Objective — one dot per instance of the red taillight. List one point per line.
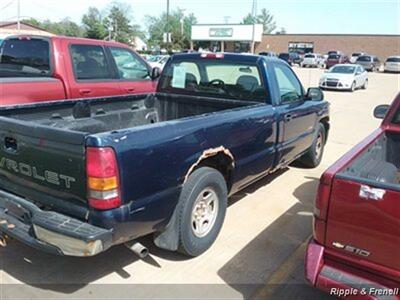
(322, 200)
(212, 55)
(321, 209)
(102, 178)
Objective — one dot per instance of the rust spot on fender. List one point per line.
(209, 153)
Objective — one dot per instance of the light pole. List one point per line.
(167, 26)
(254, 15)
(18, 15)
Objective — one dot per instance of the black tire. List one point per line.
(200, 180)
(312, 158)
(365, 85)
(353, 87)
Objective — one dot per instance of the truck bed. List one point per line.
(379, 163)
(115, 113)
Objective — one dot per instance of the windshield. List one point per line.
(309, 56)
(393, 59)
(333, 56)
(356, 54)
(364, 58)
(25, 57)
(154, 58)
(343, 69)
(214, 78)
(284, 55)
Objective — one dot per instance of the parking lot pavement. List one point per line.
(259, 253)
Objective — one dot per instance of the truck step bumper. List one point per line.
(50, 231)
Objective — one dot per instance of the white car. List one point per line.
(392, 64)
(158, 61)
(344, 77)
(313, 60)
(354, 56)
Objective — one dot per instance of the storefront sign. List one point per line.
(221, 32)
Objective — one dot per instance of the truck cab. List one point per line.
(36, 69)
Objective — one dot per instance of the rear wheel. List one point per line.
(312, 158)
(202, 208)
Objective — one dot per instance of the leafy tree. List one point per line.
(249, 19)
(93, 23)
(265, 18)
(118, 20)
(179, 25)
(32, 21)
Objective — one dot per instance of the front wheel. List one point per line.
(202, 207)
(312, 158)
(353, 87)
(365, 85)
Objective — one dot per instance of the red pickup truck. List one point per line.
(35, 68)
(355, 250)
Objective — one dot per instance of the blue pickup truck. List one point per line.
(77, 177)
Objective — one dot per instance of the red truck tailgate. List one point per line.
(364, 223)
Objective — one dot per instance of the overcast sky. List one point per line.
(296, 16)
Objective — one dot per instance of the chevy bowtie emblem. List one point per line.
(338, 245)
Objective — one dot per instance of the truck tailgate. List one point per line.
(364, 222)
(43, 164)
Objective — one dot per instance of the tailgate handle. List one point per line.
(10, 144)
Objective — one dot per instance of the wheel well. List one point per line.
(220, 159)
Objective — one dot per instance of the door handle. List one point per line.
(130, 90)
(84, 92)
(288, 117)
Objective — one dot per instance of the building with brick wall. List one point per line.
(379, 45)
(239, 38)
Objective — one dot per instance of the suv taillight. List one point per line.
(102, 178)
(321, 209)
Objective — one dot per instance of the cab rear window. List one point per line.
(214, 78)
(25, 57)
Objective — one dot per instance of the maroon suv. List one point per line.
(334, 59)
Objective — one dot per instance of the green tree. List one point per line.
(32, 21)
(265, 18)
(93, 24)
(118, 20)
(179, 25)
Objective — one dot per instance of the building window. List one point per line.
(301, 47)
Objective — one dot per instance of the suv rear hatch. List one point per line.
(44, 165)
(363, 220)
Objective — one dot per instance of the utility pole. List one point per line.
(254, 15)
(18, 15)
(167, 26)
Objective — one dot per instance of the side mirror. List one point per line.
(380, 111)
(315, 94)
(155, 73)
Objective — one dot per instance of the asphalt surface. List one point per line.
(259, 252)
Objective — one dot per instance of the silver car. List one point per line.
(392, 64)
(313, 60)
(369, 62)
(344, 77)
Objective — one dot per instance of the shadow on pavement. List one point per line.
(271, 265)
(251, 268)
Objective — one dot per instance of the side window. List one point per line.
(90, 62)
(289, 86)
(130, 67)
